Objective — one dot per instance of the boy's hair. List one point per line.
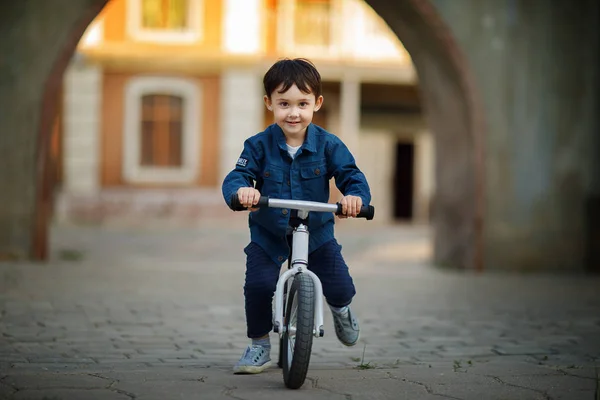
(298, 71)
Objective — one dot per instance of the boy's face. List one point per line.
(293, 110)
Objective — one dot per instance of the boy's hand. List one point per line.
(248, 197)
(350, 206)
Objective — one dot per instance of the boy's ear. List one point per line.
(268, 103)
(318, 103)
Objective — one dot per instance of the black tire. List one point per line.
(300, 311)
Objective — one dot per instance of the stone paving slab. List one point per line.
(158, 314)
(411, 382)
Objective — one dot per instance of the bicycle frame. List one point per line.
(299, 262)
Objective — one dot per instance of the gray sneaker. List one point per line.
(255, 360)
(346, 327)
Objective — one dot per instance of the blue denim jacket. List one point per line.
(266, 165)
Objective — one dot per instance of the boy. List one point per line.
(293, 159)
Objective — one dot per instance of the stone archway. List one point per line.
(51, 89)
(454, 115)
(38, 39)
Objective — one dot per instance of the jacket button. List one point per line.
(317, 171)
(267, 174)
(284, 212)
(288, 182)
(280, 258)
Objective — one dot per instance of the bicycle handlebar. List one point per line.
(367, 212)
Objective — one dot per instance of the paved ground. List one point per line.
(157, 314)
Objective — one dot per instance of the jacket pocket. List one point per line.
(272, 178)
(314, 182)
(314, 171)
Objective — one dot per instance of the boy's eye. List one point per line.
(303, 104)
(283, 104)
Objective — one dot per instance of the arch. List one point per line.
(454, 113)
(39, 240)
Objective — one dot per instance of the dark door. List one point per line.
(403, 181)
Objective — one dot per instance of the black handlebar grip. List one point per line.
(237, 206)
(263, 202)
(367, 212)
(235, 203)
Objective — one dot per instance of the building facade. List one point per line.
(161, 94)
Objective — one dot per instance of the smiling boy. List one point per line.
(293, 159)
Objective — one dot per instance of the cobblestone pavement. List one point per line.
(157, 313)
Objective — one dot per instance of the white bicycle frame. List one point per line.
(299, 262)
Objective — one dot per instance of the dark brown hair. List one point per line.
(288, 72)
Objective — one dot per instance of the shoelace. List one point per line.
(254, 353)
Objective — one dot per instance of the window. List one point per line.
(312, 29)
(312, 25)
(161, 130)
(174, 21)
(164, 14)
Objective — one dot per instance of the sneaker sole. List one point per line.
(350, 344)
(250, 369)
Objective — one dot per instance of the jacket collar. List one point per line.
(309, 141)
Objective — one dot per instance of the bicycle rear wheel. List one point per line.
(298, 335)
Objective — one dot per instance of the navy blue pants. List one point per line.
(262, 275)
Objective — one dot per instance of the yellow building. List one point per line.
(161, 94)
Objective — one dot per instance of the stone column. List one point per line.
(348, 127)
(82, 113)
(424, 175)
(350, 113)
(241, 116)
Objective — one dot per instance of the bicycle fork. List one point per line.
(299, 265)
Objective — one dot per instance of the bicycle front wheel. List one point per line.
(298, 335)
(282, 347)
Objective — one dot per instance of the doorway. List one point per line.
(404, 181)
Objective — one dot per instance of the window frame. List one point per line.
(287, 31)
(149, 118)
(191, 93)
(194, 33)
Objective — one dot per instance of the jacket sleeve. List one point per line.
(349, 179)
(247, 168)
